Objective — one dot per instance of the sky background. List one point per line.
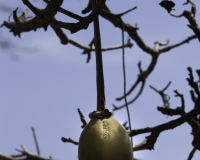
(42, 82)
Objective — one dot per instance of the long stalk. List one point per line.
(99, 64)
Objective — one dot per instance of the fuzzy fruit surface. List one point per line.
(104, 139)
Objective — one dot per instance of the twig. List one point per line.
(158, 44)
(182, 99)
(69, 140)
(168, 48)
(64, 11)
(192, 83)
(88, 48)
(125, 125)
(141, 79)
(35, 139)
(142, 76)
(24, 148)
(87, 51)
(121, 14)
(164, 97)
(165, 109)
(82, 118)
(25, 155)
(131, 101)
(178, 110)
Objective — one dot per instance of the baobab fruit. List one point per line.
(104, 139)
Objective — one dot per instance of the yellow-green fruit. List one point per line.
(104, 139)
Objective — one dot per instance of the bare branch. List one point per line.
(141, 79)
(177, 16)
(182, 99)
(130, 29)
(69, 140)
(82, 118)
(165, 98)
(168, 48)
(155, 131)
(35, 139)
(125, 125)
(34, 23)
(73, 27)
(177, 111)
(192, 83)
(193, 8)
(190, 16)
(87, 48)
(25, 155)
(121, 14)
(87, 51)
(131, 101)
(158, 44)
(140, 67)
(62, 10)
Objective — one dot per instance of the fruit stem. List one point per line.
(99, 64)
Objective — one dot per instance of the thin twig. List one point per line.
(35, 139)
(133, 100)
(88, 52)
(125, 125)
(141, 79)
(182, 98)
(192, 83)
(64, 11)
(121, 14)
(69, 140)
(165, 98)
(88, 48)
(82, 118)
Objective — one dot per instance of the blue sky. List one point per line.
(42, 82)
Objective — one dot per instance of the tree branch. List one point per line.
(165, 98)
(73, 27)
(82, 118)
(35, 139)
(155, 131)
(190, 16)
(141, 79)
(69, 140)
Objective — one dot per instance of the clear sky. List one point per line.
(42, 83)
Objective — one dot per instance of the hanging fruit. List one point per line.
(104, 138)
